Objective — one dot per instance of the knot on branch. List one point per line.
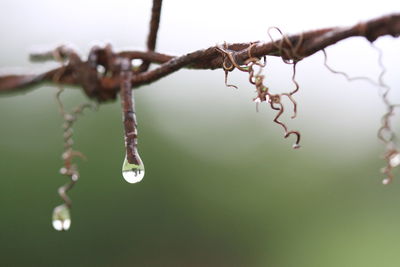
(98, 75)
(99, 72)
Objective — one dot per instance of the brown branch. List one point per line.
(18, 83)
(128, 113)
(312, 42)
(154, 24)
(107, 86)
(152, 37)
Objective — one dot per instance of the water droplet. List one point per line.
(394, 160)
(257, 100)
(133, 173)
(61, 218)
(63, 170)
(74, 177)
(295, 146)
(386, 181)
(69, 117)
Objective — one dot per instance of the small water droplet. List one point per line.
(257, 100)
(133, 173)
(394, 160)
(295, 146)
(74, 177)
(61, 218)
(63, 170)
(69, 117)
(386, 181)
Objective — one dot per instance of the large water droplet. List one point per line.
(133, 173)
(394, 160)
(61, 218)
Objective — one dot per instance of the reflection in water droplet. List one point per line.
(133, 173)
(394, 160)
(61, 218)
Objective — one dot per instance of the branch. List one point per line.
(105, 87)
(152, 38)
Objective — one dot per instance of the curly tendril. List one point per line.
(257, 79)
(385, 133)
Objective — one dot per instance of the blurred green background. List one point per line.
(222, 186)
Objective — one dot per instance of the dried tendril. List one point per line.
(61, 213)
(257, 79)
(385, 133)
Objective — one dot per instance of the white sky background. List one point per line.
(340, 109)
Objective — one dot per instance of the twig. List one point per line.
(128, 112)
(152, 37)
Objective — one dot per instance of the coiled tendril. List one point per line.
(61, 214)
(257, 79)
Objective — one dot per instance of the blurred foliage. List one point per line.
(267, 206)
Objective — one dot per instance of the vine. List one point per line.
(105, 74)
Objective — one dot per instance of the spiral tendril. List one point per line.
(69, 169)
(257, 78)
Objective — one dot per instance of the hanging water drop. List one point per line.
(133, 173)
(61, 218)
(386, 181)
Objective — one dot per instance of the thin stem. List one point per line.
(152, 37)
